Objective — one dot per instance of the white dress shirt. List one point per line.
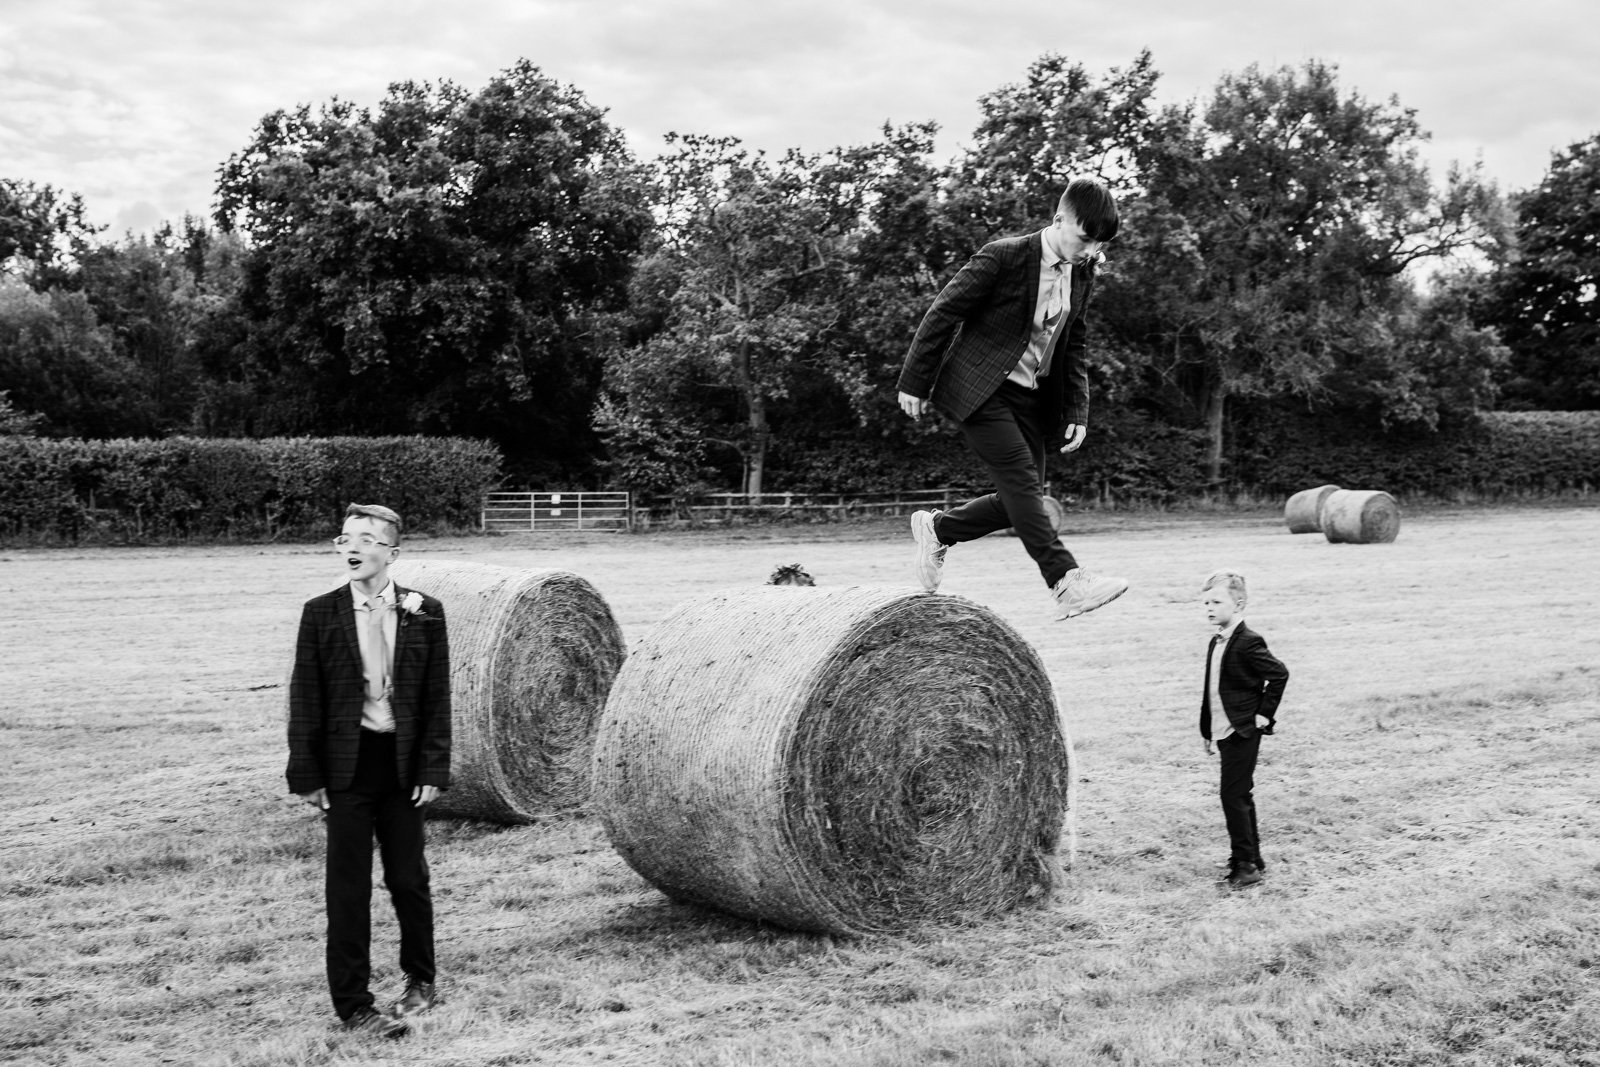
(1220, 725)
(1042, 335)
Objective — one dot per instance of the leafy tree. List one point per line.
(43, 232)
(57, 361)
(151, 295)
(1271, 247)
(1036, 135)
(15, 422)
(744, 285)
(1544, 297)
(435, 265)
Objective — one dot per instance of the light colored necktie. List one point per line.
(1057, 299)
(376, 665)
(1055, 302)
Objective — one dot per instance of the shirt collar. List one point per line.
(1227, 631)
(1047, 254)
(386, 594)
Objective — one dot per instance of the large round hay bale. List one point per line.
(533, 654)
(1303, 512)
(843, 760)
(1360, 517)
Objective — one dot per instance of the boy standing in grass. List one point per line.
(369, 744)
(1238, 704)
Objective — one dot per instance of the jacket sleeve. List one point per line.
(434, 764)
(307, 714)
(962, 295)
(1274, 679)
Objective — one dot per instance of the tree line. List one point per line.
(497, 264)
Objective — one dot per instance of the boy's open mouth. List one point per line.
(354, 561)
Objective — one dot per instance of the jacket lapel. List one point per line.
(402, 634)
(1028, 278)
(347, 622)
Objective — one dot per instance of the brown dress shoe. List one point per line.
(372, 1022)
(418, 998)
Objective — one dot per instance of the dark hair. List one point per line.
(1092, 204)
(379, 512)
(790, 574)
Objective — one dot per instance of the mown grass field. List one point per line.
(1430, 810)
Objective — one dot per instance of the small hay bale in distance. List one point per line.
(533, 654)
(1360, 517)
(847, 761)
(1303, 512)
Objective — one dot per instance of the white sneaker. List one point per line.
(1079, 591)
(929, 565)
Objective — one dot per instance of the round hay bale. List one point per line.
(1303, 512)
(533, 654)
(1360, 517)
(845, 760)
(1055, 509)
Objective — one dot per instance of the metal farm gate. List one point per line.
(553, 512)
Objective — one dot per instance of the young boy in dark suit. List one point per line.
(369, 744)
(1238, 704)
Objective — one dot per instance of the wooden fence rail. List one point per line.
(723, 507)
(554, 512)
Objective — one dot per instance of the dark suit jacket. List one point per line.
(327, 687)
(1252, 684)
(978, 328)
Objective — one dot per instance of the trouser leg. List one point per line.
(1005, 434)
(348, 897)
(405, 874)
(1237, 757)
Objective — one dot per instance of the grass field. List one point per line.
(1430, 811)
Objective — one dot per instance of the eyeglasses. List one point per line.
(365, 541)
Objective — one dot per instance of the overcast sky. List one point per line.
(135, 103)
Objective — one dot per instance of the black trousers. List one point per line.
(375, 806)
(1237, 756)
(1007, 433)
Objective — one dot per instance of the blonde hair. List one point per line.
(1232, 581)
(377, 511)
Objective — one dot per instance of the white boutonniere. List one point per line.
(411, 606)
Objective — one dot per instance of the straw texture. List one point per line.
(533, 654)
(1303, 512)
(845, 760)
(1360, 517)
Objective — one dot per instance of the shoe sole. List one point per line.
(1096, 607)
(936, 570)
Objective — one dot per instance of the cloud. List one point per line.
(136, 104)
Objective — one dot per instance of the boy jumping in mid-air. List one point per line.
(1001, 351)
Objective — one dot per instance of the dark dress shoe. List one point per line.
(370, 1021)
(1244, 874)
(418, 998)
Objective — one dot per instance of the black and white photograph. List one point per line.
(871, 534)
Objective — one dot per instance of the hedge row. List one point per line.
(181, 488)
(1132, 457)
(1499, 454)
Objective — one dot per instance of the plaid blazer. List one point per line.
(1251, 684)
(327, 688)
(978, 328)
